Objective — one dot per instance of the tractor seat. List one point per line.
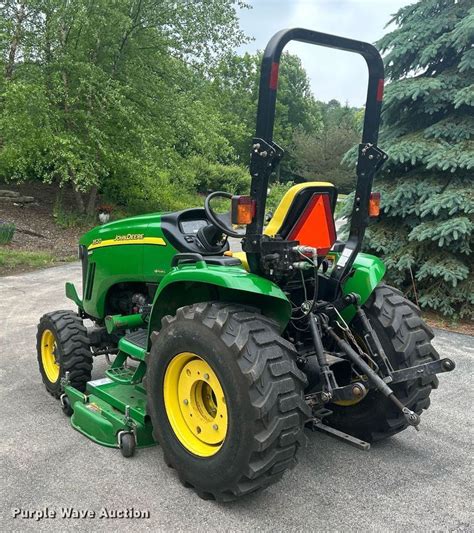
(305, 214)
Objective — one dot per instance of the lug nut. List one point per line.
(215, 426)
(186, 402)
(206, 376)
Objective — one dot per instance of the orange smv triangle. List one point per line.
(315, 226)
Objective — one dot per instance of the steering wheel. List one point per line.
(221, 221)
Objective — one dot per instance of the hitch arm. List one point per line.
(375, 347)
(427, 369)
(410, 416)
(329, 382)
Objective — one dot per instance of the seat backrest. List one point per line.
(306, 214)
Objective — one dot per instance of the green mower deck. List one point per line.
(100, 413)
(116, 403)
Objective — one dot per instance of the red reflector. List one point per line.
(380, 91)
(273, 83)
(374, 204)
(243, 209)
(315, 226)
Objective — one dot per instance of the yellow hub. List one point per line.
(195, 404)
(48, 356)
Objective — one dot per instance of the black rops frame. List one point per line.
(266, 154)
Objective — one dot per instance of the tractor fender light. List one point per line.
(243, 210)
(374, 204)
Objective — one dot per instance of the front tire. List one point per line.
(406, 340)
(63, 346)
(238, 377)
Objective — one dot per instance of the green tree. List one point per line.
(426, 227)
(318, 155)
(236, 81)
(102, 93)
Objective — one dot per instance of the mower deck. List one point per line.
(101, 414)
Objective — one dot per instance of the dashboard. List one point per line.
(191, 227)
(180, 229)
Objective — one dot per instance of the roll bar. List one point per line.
(269, 78)
(266, 154)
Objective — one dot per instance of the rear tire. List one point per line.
(406, 340)
(63, 336)
(264, 406)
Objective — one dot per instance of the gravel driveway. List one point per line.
(414, 481)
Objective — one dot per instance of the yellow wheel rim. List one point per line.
(48, 356)
(195, 404)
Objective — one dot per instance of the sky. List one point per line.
(333, 74)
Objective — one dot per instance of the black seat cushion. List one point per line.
(222, 260)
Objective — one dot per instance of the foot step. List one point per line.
(121, 374)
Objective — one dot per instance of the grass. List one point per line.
(70, 219)
(15, 259)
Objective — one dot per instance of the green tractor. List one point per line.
(224, 358)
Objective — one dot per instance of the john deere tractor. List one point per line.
(223, 358)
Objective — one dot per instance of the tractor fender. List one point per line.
(368, 271)
(189, 284)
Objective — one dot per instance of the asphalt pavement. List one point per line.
(411, 482)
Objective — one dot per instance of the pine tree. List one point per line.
(425, 231)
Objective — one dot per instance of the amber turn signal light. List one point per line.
(374, 204)
(243, 210)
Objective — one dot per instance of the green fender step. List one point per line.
(132, 345)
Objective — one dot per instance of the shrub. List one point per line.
(149, 192)
(175, 188)
(217, 177)
(6, 232)
(67, 218)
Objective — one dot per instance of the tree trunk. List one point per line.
(92, 200)
(79, 200)
(20, 16)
